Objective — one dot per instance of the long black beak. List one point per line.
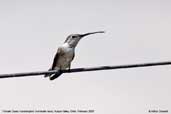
(82, 35)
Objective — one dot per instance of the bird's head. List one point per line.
(73, 39)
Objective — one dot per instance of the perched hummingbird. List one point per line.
(65, 54)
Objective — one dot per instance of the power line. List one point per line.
(85, 69)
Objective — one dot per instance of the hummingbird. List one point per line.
(66, 53)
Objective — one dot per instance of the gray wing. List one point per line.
(56, 58)
(55, 61)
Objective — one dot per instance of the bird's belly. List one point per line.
(65, 60)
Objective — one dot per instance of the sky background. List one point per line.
(137, 31)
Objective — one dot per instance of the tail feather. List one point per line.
(56, 75)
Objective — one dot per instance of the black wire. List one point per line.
(85, 69)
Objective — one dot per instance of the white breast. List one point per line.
(69, 52)
(66, 59)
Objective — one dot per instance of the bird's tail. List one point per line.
(56, 75)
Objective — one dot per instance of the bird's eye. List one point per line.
(73, 36)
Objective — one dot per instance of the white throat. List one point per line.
(66, 45)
